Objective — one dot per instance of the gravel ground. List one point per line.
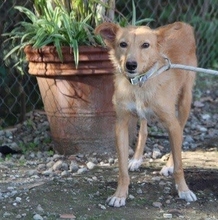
(40, 184)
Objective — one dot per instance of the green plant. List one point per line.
(8, 157)
(50, 153)
(26, 147)
(57, 23)
(61, 23)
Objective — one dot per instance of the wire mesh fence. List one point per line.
(19, 93)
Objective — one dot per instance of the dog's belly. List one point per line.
(140, 109)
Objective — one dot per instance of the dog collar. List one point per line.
(139, 80)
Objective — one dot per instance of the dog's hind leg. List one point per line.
(184, 106)
(175, 132)
(136, 161)
(184, 103)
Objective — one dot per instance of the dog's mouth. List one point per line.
(131, 74)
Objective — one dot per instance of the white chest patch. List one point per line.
(139, 109)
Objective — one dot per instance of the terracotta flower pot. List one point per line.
(77, 101)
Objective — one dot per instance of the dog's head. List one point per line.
(133, 49)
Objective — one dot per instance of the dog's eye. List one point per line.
(123, 44)
(145, 45)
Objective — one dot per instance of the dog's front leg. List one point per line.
(122, 139)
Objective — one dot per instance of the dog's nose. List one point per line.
(131, 65)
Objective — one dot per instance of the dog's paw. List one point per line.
(114, 201)
(189, 196)
(134, 164)
(167, 171)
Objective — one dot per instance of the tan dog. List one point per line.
(138, 52)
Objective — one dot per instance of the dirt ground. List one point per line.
(151, 195)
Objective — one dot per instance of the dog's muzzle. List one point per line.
(153, 71)
(140, 79)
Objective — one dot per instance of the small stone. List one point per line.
(14, 146)
(156, 178)
(50, 164)
(111, 161)
(162, 183)
(90, 165)
(198, 104)
(3, 167)
(74, 166)
(166, 190)
(37, 217)
(131, 197)
(36, 140)
(41, 167)
(64, 166)
(93, 160)
(56, 157)
(8, 134)
(31, 172)
(156, 153)
(206, 117)
(157, 204)
(201, 128)
(10, 188)
(94, 178)
(168, 201)
(189, 139)
(139, 191)
(6, 214)
(65, 173)
(18, 216)
(80, 155)
(102, 206)
(18, 199)
(32, 155)
(39, 155)
(22, 158)
(57, 165)
(47, 172)
(167, 215)
(82, 170)
(40, 209)
(131, 151)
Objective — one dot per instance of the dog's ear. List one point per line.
(168, 33)
(108, 32)
(177, 37)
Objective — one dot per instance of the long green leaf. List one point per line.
(75, 47)
(133, 13)
(27, 12)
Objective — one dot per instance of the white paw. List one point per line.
(116, 202)
(166, 171)
(134, 164)
(189, 196)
